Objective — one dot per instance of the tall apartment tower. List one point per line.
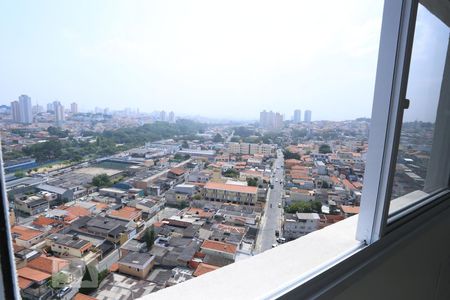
(307, 116)
(263, 119)
(162, 116)
(270, 120)
(171, 117)
(15, 111)
(278, 122)
(50, 107)
(59, 112)
(74, 108)
(297, 116)
(25, 111)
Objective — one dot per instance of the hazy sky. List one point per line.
(221, 59)
(427, 66)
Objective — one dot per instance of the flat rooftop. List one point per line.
(94, 171)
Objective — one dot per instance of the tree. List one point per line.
(252, 181)
(149, 237)
(91, 279)
(59, 279)
(101, 180)
(304, 207)
(55, 131)
(185, 145)
(324, 148)
(218, 138)
(290, 155)
(231, 173)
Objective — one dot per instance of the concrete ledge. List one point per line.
(265, 275)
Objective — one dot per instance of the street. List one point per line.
(271, 221)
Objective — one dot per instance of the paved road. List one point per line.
(271, 221)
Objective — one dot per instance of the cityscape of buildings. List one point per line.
(152, 200)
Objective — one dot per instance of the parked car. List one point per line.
(64, 291)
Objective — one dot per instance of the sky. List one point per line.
(217, 59)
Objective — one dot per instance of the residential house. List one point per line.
(136, 264)
(299, 224)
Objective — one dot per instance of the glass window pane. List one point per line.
(421, 167)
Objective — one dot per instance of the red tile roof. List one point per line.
(231, 187)
(78, 211)
(44, 221)
(350, 209)
(204, 268)
(219, 246)
(25, 233)
(129, 213)
(80, 296)
(177, 171)
(24, 283)
(348, 184)
(32, 274)
(48, 265)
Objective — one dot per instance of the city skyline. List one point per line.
(163, 57)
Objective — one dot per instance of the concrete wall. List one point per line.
(418, 267)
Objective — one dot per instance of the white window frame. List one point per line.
(396, 42)
(397, 32)
(387, 113)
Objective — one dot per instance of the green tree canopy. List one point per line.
(101, 180)
(290, 155)
(149, 237)
(56, 131)
(231, 173)
(218, 138)
(304, 207)
(324, 148)
(252, 181)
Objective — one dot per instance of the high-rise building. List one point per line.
(59, 112)
(74, 108)
(162, 116)
(37, 109)
(270, 120)
(297, 116)
(278, 122)
(171, 117)
(15, 111)
(50, 107)
(307, 116)
(26, 115)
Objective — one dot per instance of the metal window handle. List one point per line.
(406, 103)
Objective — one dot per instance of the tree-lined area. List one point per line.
(109, 141)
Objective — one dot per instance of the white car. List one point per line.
(274, 245)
